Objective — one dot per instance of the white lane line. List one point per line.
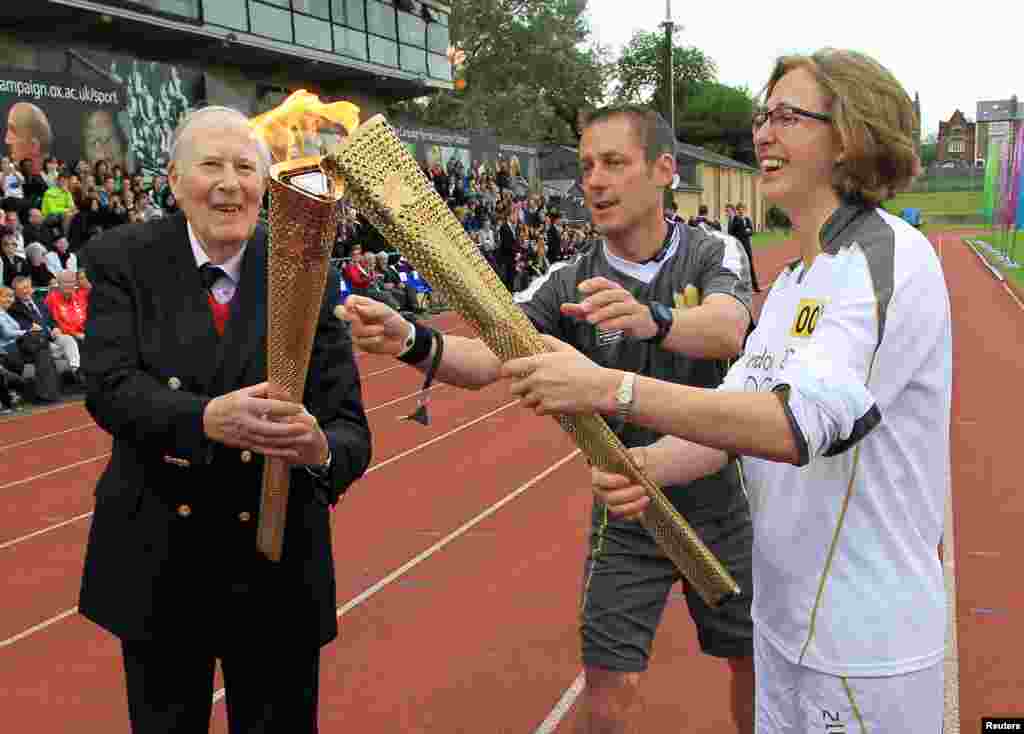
(404, 397)
(8, 543)
(952, 661)
(38, 627)
(461, 530)
(58, 470)
(373, 468)
(562, 707)
(57, 526)
(45, 436)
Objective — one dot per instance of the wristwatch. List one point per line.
(624, 397)
(662, 316)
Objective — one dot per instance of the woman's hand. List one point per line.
(562, 381)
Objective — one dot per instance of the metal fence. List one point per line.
(950, 179)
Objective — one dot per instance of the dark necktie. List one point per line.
(209, 274)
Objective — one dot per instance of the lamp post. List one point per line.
(670, 91)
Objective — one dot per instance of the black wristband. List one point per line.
(420, 347)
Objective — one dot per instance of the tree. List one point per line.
(929, 152)
(529, 70)
(717, 117)
(640, 71)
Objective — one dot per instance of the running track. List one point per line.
(459, 557)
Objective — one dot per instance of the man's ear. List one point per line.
(664, 169)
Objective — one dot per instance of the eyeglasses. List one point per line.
(784, 115)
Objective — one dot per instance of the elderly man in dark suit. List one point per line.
(175, 363)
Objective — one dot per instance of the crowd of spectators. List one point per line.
(520, 234)
(48, 217)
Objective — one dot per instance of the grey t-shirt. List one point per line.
(712, 264)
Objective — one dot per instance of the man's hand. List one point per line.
(310, 446)
(609, 306)
(247, 419)
(35, 327)
(623, 498)
(376, 327)
(562, 381)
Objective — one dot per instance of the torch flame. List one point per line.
(303, 127)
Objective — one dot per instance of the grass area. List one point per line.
(769, 237)
(937, 202)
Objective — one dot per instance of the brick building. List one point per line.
(956, 140)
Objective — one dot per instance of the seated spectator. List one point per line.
(83, 289)
(12, 226)
(28, 310)
(51, 169)
(11, 263)
(12, 180)
(20, 346)
(360, 276)
(66, 307)
(60, 259)
(393, 284)
(38, 272)
(35, 230)
(33, 185)
(59, 203)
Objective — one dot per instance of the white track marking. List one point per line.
(32, 478)
(380, 465)
(38, 627)
(461, 530)
(550, 724)
(45, 436)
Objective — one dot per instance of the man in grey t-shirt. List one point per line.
(660, 299)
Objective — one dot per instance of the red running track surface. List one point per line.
(479, 633)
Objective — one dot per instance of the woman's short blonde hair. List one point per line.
(873, 117)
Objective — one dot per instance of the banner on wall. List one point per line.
(60, 115)
(476, 150)
(116, 108)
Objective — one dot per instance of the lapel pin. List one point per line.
(174, 383)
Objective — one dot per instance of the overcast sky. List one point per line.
(951, 59)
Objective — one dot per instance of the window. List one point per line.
(319, 8)
(956, 146)
(383, 51)
(270, 21)
(380, 19)
(440, 68)
(313, 32)
(413, 59)
(411, 30)
(350, 42)
(183, 8)
(350, 13)
(437, 38)
(230, 13)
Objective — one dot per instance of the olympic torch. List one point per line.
(383, 180)
(303, 225)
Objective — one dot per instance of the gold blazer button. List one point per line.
(174, 383)
(246, 456)
(244, 517)
(184, 510)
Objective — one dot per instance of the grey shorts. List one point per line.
(627, 581)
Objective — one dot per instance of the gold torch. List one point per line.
(385, 183)
(303, 225)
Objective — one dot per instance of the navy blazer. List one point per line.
(172, 548)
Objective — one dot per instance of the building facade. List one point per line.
(112, 77)
(956, 141)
